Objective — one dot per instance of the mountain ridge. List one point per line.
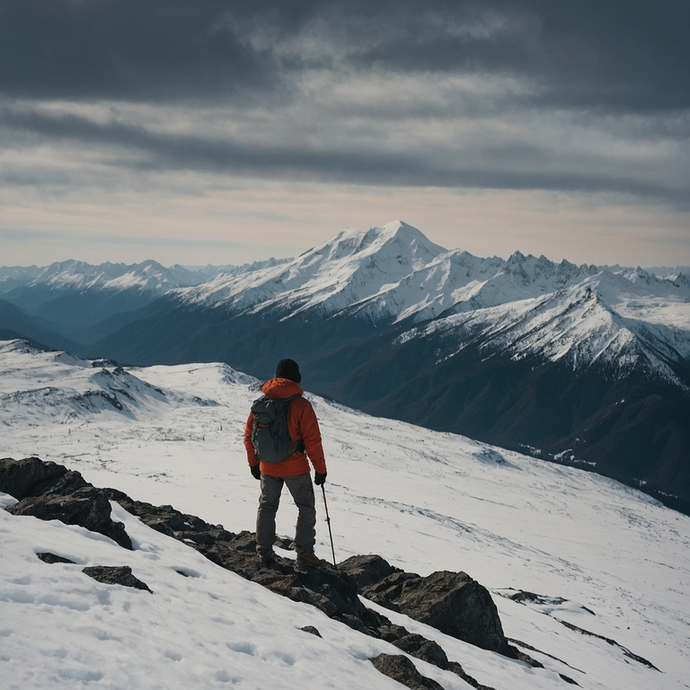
(522, 343)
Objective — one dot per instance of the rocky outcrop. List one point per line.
(115, 575)
(33, 477)
(420, 647)
(400, 668)
(324, 588)
(452, 602)
(52, 492)
(311, 630)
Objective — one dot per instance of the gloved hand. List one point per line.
(319, 478)
(256, 470)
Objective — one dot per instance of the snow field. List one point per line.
(208, 628)
(423, 500)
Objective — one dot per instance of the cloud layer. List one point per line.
(582, 98)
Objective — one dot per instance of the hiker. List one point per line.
(304, 433)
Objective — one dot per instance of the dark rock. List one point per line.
(324, 588)
(400, 668)
(366, 571)
(88, 507)
(522, 596)
(392, 632)
(48, 557)
(332, 592)
(311, 629)
(115, 575)
(457, 605)
(568, 679)
(426, 650)
(453, 603)
(33, 477)
(166, 520)
(421, 648)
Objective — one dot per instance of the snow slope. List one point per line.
(604, 557)
(604, 317)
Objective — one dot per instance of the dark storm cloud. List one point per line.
(126, 49)
(502, 166)
(617, 54)
(625, 55)
(509, 94)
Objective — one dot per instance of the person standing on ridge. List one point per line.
(305, 438)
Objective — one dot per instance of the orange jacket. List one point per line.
(302, 424)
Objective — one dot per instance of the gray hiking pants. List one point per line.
(302, 492)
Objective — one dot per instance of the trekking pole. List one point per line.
(328, 520)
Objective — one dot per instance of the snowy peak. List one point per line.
(333, 275)
(394, 274)
(410, 244)
(397, 238)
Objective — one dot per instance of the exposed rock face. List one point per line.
(400, 668)
(453, 603)
(52, 492)
(33, 477)
(324, 588)
(87, 507)
(115, 575)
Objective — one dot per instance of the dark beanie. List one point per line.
(288, 369)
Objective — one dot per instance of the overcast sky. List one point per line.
(224, 131)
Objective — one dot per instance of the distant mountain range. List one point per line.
(70, 303)
(579, 364)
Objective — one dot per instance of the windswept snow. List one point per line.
(602, 557)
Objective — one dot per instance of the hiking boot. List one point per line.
(309, 559)
(265, 559)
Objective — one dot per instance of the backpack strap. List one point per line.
(298, 445)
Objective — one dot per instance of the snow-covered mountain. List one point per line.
(581, 364)
(84, 302)
(340, 272)
(395, 274)
(604, 316)
(70, 298)
(591, 577)
(79, 275)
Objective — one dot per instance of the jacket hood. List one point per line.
(281, 388)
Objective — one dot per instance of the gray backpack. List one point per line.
(270, 433)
